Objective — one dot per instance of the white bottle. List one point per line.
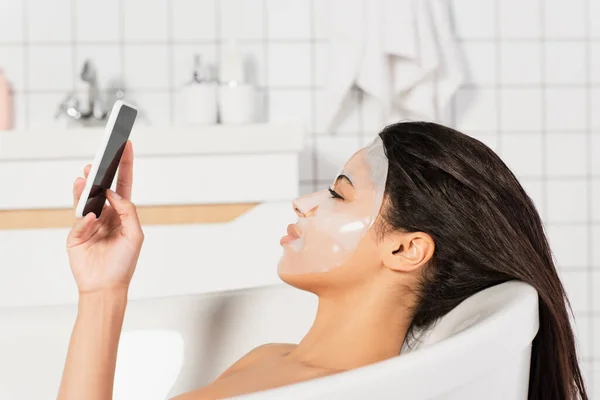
(200, 97)
(236, 97)
(6, 104)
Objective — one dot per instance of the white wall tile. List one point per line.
(476, 110)
(372, 115)
(106, 59)
(596, 333)
(524, 23)
(332, 155)
(242, 19)
(567, 201)
(153, 107)
(288, 19)
(305, 160)
(97, 23)
(491, 140)
(348, 122)
(146, 67)
(594, 10)
(193, 20)
(49, 21)
(41, 109)
(595, 188)
(306, 188)
(581, 329)
(19, 113)
(11, 21)
(594, 388)
(596, 284)
(321, 64)
(145, 20)
(322, 14)
(520, 62)
(565, 62)
(595, 105)
(595, 155)
(50, 67)
(474, 18)
(569, 244)
(522, 153)
(12, 65)
(290, 106)
(521, 109)
(595, 62)
(183, 61)
(563, 19)
(565, 154)
(480, 62)
(576, 285)
(535, 190)
(565, 109)
(289, 64)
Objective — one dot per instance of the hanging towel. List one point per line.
(401, 53)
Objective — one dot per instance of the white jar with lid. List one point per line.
(236, 96)
(200, 97)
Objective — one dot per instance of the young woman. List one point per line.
(453, 220)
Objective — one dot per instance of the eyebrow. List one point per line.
(339, 178)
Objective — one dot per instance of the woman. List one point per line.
(453, 221)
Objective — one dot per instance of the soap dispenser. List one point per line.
(6, 103)
(236, 96)
(200, 96)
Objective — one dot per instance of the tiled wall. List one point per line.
(534, 84)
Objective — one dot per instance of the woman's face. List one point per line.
(334, 225)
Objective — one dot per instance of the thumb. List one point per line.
(126, 211)
(81, 230)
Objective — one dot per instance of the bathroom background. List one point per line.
(530, 92)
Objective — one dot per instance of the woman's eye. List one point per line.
(335, 195)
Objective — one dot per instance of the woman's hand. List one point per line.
(103, 252)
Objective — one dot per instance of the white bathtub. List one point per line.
(175, 344)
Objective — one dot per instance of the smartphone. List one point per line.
(106, 162)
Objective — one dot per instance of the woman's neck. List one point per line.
(353, 329)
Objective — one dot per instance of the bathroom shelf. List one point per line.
(82, 143)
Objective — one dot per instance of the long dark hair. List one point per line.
(486, 231)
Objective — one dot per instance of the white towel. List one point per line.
(402, 53)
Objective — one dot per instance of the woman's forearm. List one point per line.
(90, 365)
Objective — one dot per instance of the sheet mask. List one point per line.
(331, 229)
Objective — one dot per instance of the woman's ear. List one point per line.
(406, 252)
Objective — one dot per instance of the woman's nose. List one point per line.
(307, 206)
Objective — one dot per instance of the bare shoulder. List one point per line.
(271, 349)
(252, 357)
(257, 354)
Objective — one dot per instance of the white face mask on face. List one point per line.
(330, 229)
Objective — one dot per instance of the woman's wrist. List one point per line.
(105, 301)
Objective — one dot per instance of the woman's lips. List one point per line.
(293, 233)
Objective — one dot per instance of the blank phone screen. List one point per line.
(110, 160)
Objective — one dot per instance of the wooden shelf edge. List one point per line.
(149, 215)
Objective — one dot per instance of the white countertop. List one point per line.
(166, 141)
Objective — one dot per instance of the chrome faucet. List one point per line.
(92, 108)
